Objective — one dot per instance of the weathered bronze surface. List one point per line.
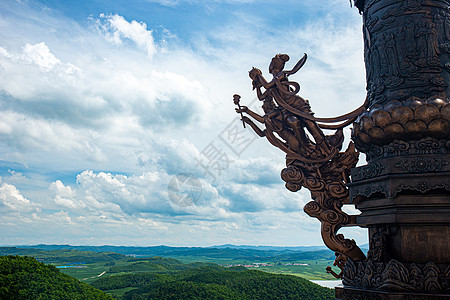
(406, 49)
(403, 128)
(366, 294)
(404, 190)
(313, 159)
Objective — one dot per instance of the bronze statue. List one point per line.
(403, 128)
(314, 163)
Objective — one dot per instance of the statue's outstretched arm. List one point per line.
(264, 83)
(256, 129)
(251, 113)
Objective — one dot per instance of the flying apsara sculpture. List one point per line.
(313, 159)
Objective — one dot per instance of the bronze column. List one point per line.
(404, 190)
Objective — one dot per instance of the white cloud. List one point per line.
(5, 53)
(134, 194)
(117, 28)
(11, 199)
(61, 217)
(40, 55)
(63, 195)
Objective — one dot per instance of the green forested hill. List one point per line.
(213, 283)
(23, 277)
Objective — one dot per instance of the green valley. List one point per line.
(190, 273)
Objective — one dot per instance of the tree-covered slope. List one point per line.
(252, 284)
(214, 283)
(130, 280)
(153, 264)
(23, 277)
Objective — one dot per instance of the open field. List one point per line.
(314, 271)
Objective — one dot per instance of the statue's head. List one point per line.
(277, 63)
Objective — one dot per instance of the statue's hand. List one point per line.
(246, 120)
(242, 109)
(254, 72)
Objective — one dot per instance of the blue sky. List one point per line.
(117, 124)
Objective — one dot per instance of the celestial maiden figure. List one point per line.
(295, 109)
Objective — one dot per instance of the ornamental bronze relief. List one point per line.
(412, 119)
(406, 49)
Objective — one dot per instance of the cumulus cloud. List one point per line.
(63, 195)
(118, 194)
(40, 55)
(133, 194)
(61, 217)
(117, 28)
(12, 199)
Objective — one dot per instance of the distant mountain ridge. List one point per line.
(106, 253)
(253, 253)
(276, 248)
(163, 248)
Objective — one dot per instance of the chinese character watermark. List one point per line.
(213, 160)
(184, 190)
(231, 142)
